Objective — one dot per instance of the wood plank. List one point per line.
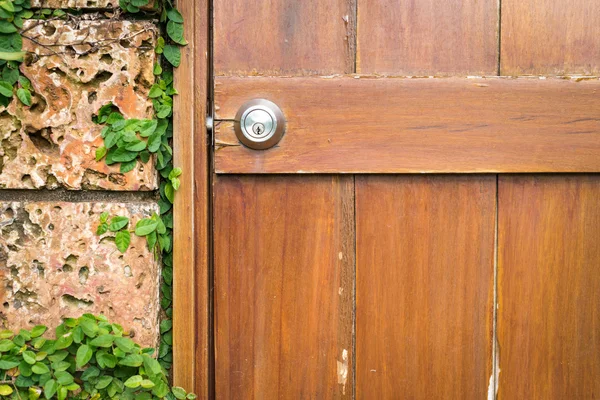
(284, 37)
(424, 300)
(190, 214)
(550, 37)
(284, 272)
(428, 37)
(549, 287)
(394, 125)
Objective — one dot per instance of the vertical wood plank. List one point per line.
(549, 287)
(425, 262)
(284, 271)
(284, 37)
(550, 37)
(427, 37)
(191, 240)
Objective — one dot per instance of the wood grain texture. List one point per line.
(284, 37)
(424, 291)
(190, 239)
(549, 287)
(284, 271)
(393, 125)
(427, 37)
(550, 37)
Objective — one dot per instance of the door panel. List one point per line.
(284, 277)
(284, 37)
(550, 37)
(425, 286)
(549, 287)
(391, 125)
(427, 37)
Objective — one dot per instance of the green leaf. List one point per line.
(100, 153)
(174, 15)
(29, 357)
(145, 226)
(117, 223)
(154, 142)
(165, 326)
(6, 345)
(40, 368)
(122, 240)
(147, 127)
(151, 240)
(155, 92)
(24, 95)
(103, 218)
(125, 344)
(103, 382)
(6, 89)
(102, 229)
(50, 388)
(64, 378)
(172, 54)
(89, 326)
(6, 364)
(38, 331)
(127, 166)
(136, 145)
(7, 5)
(170, 192)
(179, 392)
(157, 69)
(132, 360)
(83, 356)
(7, 27)
(103, 340)
(64, 341)
(175, 32)
(175, 172)
(134, 381)
(5, 390)
(122, 155)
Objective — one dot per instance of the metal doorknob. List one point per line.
(259, 124)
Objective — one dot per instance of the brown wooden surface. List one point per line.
(393, 125)
(284, 37)
(191, 329)
(424, 291)
(550, 37)
(427, 37)
(549, 286)
(284, 272)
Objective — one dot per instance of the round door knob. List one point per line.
(259, 124)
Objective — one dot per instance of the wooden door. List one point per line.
(429, 225)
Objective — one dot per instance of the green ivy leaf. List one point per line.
(173, 55)
(38, 331)
(102, 229)
(127, 166)
(6, 89)
(155, 92)
(179, 392)
(5, 390)
(83, 356)
(40, 368)
(7, 27)
(134, 381)
(50, 388)
(174, 15)
(170, 192)
(132, 360)
(175, 32)
(122, 240)
(117, 223)
(100, 153)
(24, 95)
(29, 357)
(145, 226)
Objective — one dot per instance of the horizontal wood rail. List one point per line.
(416, 125)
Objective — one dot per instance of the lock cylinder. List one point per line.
(259, 124)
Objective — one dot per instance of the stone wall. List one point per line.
(52, 191)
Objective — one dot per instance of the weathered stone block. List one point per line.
(75, 3)
(53, 265)
(75, 68)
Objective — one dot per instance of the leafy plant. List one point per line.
(90, 358)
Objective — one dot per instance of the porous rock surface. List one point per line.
(75, 68)
(53, 265)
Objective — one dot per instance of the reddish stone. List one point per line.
(52, 143)
(53, 265)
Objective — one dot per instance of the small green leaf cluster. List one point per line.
(127, 141)
(12, 14)
(119, 226)
(89, 359)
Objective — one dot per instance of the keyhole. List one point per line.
(258, 129)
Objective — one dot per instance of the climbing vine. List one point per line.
(126, 141)
(90, 358)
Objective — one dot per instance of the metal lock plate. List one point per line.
(259, 124)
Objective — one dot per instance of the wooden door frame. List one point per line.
(192, 324)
